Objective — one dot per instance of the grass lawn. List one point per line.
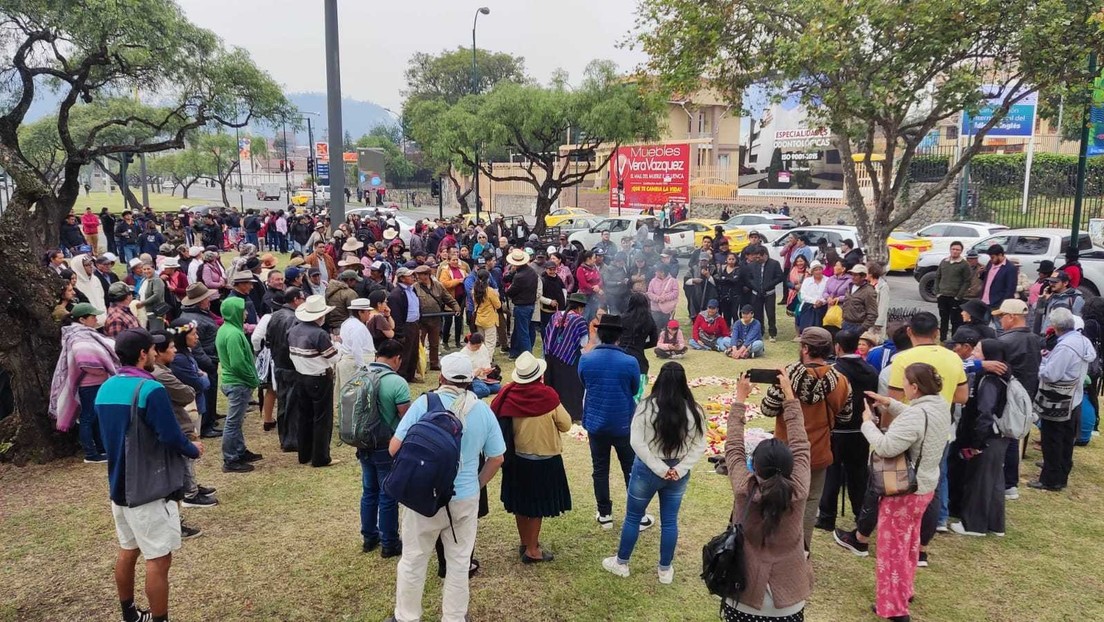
(114, 202)
(284, 545)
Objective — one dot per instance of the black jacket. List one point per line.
(728, 284)
(862, 377)
(277, 337)
(756, 283)
(638, 337)
(127, 234)
(987, 399)
(399, 308)
(207, 329)
(71, 236)
(1023, 352)
(523, 286)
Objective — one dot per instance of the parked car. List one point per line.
(904, 248)
(618, 227)
(701, 227)
(269, 192)
(577, 223)
(203, 210)
(1028, 248)
(769, 226)
(555, 217)
(942, 234)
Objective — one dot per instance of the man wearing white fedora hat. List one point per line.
(524, 292)
(314, 357)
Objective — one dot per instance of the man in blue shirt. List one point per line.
(611, 380)
(419, 533)
(147, 520)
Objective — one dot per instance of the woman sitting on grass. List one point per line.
(668, 436)
(769, 501)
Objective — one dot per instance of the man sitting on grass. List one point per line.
(710, 330)
(747, 336)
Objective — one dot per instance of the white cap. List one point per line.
(457, 367)
(195, 251)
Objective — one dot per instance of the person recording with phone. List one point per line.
(768, 498)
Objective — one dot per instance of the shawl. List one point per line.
(525, 400)
(90, 286)
(81, 348)
(809, 386)
(563, 336)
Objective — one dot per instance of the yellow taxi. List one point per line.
(301, 198)
(905, 249)
(555, 216)
(701, 227)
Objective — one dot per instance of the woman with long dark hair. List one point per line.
(981, 505)
(640, 333)
(668, 437)
(769, 502)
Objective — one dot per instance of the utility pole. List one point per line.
(311, 165)
(241, 195)
(474, 89)
(333, 110)
(1082, 158)
(287, 165)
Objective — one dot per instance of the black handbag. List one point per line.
(724, 562)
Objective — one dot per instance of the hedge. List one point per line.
(1002, 175)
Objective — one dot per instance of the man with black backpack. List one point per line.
(379, 512)
(441, 430)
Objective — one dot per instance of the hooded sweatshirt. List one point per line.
(714, 327)
(1069, 362)
(235, 352)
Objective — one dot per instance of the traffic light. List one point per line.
(435, 188)
(281, 166)
(291, 164)
(310, 166)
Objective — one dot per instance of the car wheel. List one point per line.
(578, 246)
(927, 287)
(1088, 289)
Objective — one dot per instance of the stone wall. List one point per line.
(940, 208)
(517, 205)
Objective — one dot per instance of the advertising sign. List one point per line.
(370, 169)
(322, 151)
(788, 155)
(322, 169)
(1020, 120)
(1096, 118)
(650, 175)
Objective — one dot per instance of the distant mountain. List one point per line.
(357, 117)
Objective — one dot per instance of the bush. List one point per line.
(1052, 174)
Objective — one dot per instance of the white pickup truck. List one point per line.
(269, 192)
(1028, 248)
(618, 227)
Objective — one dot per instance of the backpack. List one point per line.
(360, 421)
(1018, 416)
(724, 562)
(426, 464)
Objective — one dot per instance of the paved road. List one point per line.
(906, 293)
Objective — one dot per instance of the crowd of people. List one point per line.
(145, 355)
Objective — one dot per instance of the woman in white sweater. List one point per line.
(921, 428)
(668, 436)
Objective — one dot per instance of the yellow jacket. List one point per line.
(486, 314)
(444, 275)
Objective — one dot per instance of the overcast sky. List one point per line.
(377, 38)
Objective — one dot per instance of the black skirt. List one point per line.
(565, 380)
(535, 488)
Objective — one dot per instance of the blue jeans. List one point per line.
(521, 341)
(252, 238)
(130, 251)
(600, 446)
(483, 389)
(643, 485)
(379, 513)
(233, 439)
(943, 491)
(722, 344)
(89, 430)
(591, 307)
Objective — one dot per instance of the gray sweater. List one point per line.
(906, 432)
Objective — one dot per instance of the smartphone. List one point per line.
(763, 376)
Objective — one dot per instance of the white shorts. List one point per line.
(153, 528)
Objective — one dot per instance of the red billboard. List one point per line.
(650, 175)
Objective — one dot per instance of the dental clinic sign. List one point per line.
(1020, 120)
(650, 175)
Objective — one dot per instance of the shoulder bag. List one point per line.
(891, 477)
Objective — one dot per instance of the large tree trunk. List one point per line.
(222, 188)
(132, 201)
(29, 341)
(544, 205)
(186, 187)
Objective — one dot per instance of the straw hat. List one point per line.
(390, 234)
(352, 246)
(528, 368)
(517, 257)
(268, 260)
(314, 308)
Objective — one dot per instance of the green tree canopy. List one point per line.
(93, 55)
(879, 74)
(447, 76)
(533, 121)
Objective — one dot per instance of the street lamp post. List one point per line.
(474, 89)
(333, 116)
(287, 165)
(402, 133)
(314, 164)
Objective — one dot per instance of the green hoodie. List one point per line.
(234, 350)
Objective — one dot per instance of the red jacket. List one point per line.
(588, 279)
(717, 328)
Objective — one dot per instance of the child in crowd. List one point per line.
(671, 343)
(747, 336)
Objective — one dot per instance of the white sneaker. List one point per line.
(647, 521)
(999, 534)
(1011, 494)
(960, 530)
(772, 339)
(605, 521)
(611, 565)
(666, 577)
(941, 528)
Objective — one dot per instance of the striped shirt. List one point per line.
(563, 336)
(312, 351)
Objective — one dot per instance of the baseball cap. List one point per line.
(1061, 275)
(292, 273)
(816, 336)
(133, 341)
(712, 304)
(404, 271)
(1012, 306)
(858, 269)
(672, 324)
(84, 309)
(313, 272)
(965, 335)
(457, 367)
(117, 291)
